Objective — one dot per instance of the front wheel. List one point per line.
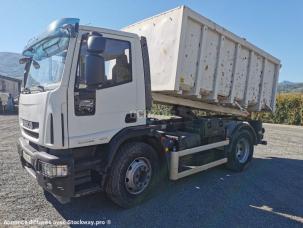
(240, 151)
(133, 174)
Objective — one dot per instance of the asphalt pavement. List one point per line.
(268, 194)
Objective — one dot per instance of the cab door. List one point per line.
(96, 114)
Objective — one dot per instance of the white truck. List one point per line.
(83, 111)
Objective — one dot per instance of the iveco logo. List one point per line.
(28, 124)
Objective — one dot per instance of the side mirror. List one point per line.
(94, 70)
(94, 62)
(27, 61)
(96, 44)
(24, 60)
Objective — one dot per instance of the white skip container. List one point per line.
(193, 58)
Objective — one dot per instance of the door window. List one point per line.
(117, 61)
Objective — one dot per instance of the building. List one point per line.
(10, 85)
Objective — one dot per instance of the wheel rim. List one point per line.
(242, 150)
(138, 175)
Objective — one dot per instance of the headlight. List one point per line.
(50, 170)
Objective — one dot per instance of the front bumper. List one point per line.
(61, 187)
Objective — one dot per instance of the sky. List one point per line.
(273, 25)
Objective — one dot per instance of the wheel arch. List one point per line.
(234, 127)
(133, 134)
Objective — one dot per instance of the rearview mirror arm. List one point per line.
(26, 71)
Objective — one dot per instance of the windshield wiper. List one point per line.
(37, 88)
(26, 90)
(41, 88)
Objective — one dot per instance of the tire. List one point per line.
(122, 186)
(238, 159)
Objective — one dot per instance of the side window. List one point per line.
(117, 61)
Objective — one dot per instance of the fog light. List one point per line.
(50, 170)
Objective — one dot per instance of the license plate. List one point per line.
(27, 158)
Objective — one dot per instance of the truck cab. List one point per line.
(83, 85)
(84, 125)
(68, 109)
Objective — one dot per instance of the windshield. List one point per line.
(47, 64)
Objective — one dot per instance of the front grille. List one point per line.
(31, 133)
(38, 147)
(34, 145)
(30, 124)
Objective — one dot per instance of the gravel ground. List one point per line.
(268, 194)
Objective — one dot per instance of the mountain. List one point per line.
(9, 65)
(287, 87)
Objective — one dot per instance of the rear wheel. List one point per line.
(240, 151)
(134, 172)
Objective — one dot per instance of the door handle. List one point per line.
(131, 118)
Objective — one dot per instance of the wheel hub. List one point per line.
(138, 175)
(242, 150)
